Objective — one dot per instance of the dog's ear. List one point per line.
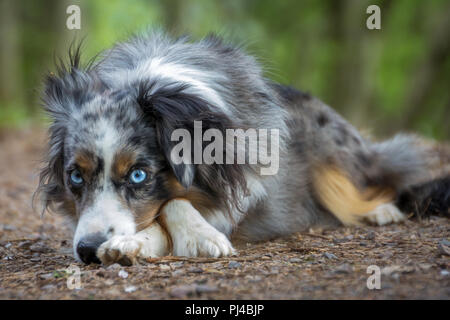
(65, 90)
(51, 179)
(171, 107)
(70, 85)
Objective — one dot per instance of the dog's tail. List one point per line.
(407, 171)
(419, 171)
(403, 161)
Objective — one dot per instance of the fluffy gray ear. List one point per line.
(170, 107)
(69, 88)
(167, 109)
(50, 190)
(71, 85)
(184, 171)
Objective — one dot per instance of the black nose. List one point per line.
(87, 247)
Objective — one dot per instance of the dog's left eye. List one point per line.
(138, 176)
(76, 178)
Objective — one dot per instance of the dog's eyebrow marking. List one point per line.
(86, 161)
(122, 163)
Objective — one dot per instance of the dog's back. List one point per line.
(334, 175)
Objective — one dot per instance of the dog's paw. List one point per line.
(385, 214)
(205, 242)
(121, 249)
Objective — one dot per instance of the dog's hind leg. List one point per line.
(385, 214)
(349, 204)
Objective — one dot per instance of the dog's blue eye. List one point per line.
(76, 178)
(138, 176)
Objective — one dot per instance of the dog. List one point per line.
(110, 169)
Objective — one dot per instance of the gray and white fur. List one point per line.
(115, 117)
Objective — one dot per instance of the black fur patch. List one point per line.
(291, 95)
(427, 199)
(170, 107)
(322, 119)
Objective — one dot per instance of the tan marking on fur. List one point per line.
(68, 208)
(149, 215)
(122, 163)
(163, 223)
(146, 215)
(86, 162)
(341, 197)
(199, 199)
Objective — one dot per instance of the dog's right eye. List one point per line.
(75, 178)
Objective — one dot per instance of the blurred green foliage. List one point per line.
(392, 79)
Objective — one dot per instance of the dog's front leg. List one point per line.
(128, 249)
(191, 234)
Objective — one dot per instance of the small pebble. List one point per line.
(204, 288)
(123, 274)
(39, 248)
(109, 282)
(195, 270)
(8, 227)
(343, 269)
(48, 287)
(114, 266)
(24, 244)
(234, 265)
(370, 235)
(444, 247)
(46, 276)
(329, 255)
(164, 267)
(130, 289)
(251, 278)
(295, 260)
(177, 264)
(182, 291)
(201, 281)
(177, 273)
(363, 244)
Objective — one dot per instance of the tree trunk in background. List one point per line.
(346, 81)
(42, 43)
(429, 72)
(173, 14)
(10, 57)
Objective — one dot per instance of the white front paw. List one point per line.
(121, 249)
(203, 242)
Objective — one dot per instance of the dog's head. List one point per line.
(109, 167)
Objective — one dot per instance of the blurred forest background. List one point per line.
(392, 79)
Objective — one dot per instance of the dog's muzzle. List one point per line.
(87, 247)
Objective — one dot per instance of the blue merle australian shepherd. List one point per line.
(109, 167)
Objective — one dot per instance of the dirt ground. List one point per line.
(413, 257)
